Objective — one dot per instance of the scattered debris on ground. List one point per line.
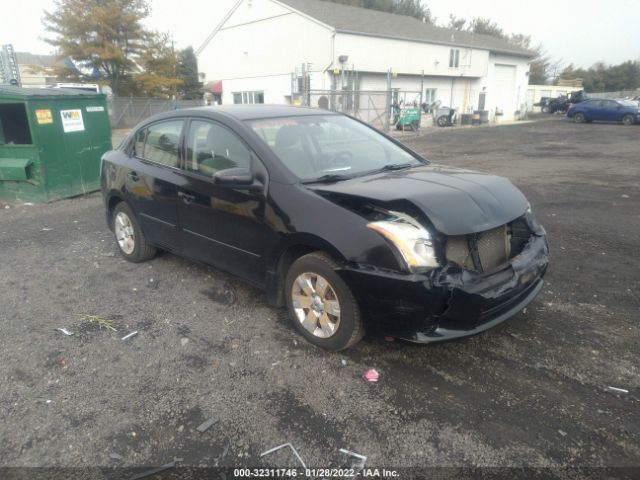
(99, 321)
(362, 458)
(206, 425)
(284, 445)
(65, 331)
(371, 375)
(617, 390)
(132, 334)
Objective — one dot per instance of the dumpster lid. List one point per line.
(22, 93)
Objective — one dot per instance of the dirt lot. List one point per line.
(530, 393)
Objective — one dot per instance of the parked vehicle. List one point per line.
(543, 104)
(446, 117)
(347, 227)
(564, 102)
(606, 110)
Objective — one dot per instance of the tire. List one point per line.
(544, 109)
(579, 118)
(133, 245)
(314, 293)
(442, 120)
(628, 120)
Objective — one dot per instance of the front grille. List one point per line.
(484, 251)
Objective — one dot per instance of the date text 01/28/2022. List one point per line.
(314, 473)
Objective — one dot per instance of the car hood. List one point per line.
(456, 201)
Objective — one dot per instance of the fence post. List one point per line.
(387, 113)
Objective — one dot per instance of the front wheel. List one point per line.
(579, 118)
(628, 120)
(131, 241)
(443, 121)
(321, 305)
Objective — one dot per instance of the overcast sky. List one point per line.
(578, 31)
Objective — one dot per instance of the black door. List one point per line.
(151, 182)
(223, 226)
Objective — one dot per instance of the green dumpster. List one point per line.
(51, 142)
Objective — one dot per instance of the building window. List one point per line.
(248, 97)
(454, 58)
(429, 95)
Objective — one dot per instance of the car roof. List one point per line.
(258, 111)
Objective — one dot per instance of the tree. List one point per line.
(413, 8)
(613, 78)
(486, 26)
(159, 64)
(456, 23)
(99, 34)
(188, 73)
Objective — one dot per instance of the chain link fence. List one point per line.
(126, 112)
(382, 109)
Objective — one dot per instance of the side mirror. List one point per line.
(233, 177)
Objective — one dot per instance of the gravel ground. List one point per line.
(531, 393)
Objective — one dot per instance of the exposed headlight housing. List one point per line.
(410, 238)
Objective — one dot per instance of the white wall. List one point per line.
(374, 54)
(265, 39)
(507, 101)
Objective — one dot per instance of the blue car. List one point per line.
(605, 110)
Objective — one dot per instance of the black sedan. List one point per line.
(344, 225)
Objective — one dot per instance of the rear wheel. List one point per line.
(628, 119)
(443, 121)
(579, 118)
(131, 241)
(321, 305)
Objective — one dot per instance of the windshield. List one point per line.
(331, 147)
(628, 103)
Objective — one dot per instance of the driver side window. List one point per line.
(211, 148)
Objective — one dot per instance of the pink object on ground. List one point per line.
(371, 375)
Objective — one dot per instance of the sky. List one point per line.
(581, 32)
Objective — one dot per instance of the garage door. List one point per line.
(505, 86)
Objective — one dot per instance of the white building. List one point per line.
(259, 48)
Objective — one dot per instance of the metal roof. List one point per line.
(364, 21)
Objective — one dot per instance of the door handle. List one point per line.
(133, 176)
(186, 197)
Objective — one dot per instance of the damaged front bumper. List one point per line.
(449, 302)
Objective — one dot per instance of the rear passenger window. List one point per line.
(162, 143)
(211, 148)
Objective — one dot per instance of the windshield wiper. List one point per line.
(395, 166)
(331, 177)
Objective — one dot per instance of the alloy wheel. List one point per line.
(316, 304)
(125, 233)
